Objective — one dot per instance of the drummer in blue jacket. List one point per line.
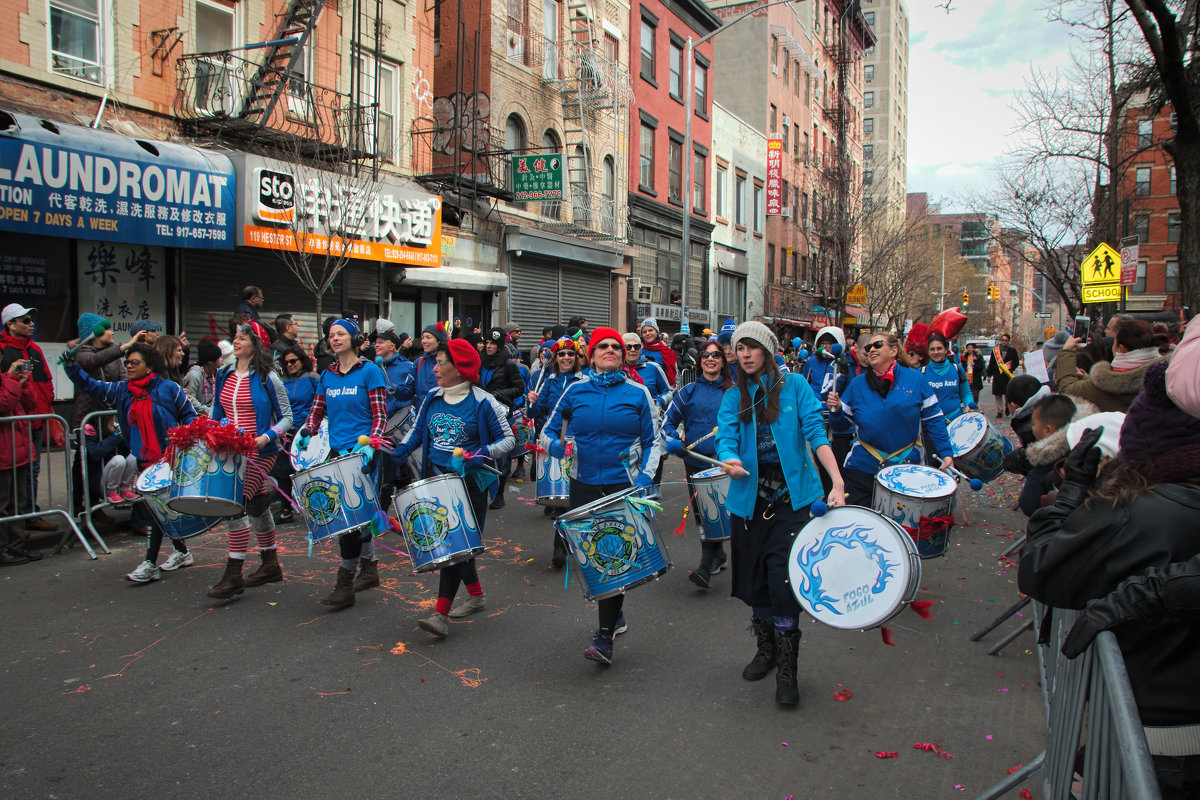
(947, 379)
(889, 404)
(606, 413)
(566, 361)
(770, 425)
(401, 388)
(459, 414)
(426, 381)
(695, 408)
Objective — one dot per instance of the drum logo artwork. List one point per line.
(191, 466)
(447, 431)
(852, 550)
(610, 543)
(427, 522)
(322, 500)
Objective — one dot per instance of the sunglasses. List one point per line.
(291, 361)
(873, 345)
(24, 320)
(632, 347)
(133, 362)
(606, 346)
(562, 353)
(712, 354)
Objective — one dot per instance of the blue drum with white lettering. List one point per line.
(712, 487)
(438, 522)
(154, 485)
(921, 500)
(853, 569)
(978, 446)
(205, 484)
(553, 486)
(614, 543)
(336, 497)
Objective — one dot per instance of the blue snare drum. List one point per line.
(154, 485)
(711, 487)
(554, 477)
(977, 446)
(438, 522)
(336, 497)
(614, 544)
(204, 484)
(908, 493)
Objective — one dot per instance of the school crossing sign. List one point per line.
(1101, 275)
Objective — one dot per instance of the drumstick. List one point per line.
(974, 483)
(676, 448)
(702, 438)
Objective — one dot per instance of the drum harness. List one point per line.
(772, 487)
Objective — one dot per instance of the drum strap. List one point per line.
(882, 459)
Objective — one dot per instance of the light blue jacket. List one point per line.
(798, 428)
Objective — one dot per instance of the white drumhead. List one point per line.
(966, 432)
(916, 480)
(853, 568)
(154, 478)
(316, 452)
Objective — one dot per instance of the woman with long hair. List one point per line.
(1112, 385)
(695, 407)
(170, 349)
(768, 422)
(606, 412)
(200, 382)
(301, 384)
(888, 404)
(251, 396)
(148, 406)
(566, 362)
(459, 414)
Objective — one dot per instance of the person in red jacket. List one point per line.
(17, 397)
(16, 344)
(653, 347)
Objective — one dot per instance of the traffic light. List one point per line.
(966, 299)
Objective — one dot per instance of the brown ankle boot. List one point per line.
(231, 582)
(368, 576)
(268, 571)
(342, 595)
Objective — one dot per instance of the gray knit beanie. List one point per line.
(758, 333)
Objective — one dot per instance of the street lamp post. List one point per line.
(690, 110)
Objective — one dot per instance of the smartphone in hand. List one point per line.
(1080, 331)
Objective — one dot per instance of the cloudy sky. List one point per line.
(964, 68)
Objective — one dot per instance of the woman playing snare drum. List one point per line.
(459, 415)
(252, 397)
(606, 413)
(567, 361)
(767, 424)
(353, 395)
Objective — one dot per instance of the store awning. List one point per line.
(520, 240)
(456, 279)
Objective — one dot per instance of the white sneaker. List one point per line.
(177, 560)
(145, 573)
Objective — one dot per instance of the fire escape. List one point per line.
(265, 94)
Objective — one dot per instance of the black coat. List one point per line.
(500, 378)
(1076, 553)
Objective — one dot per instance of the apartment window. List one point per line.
(869, 125)
(870, 15)
(868, 99)
(721, 188)
(76, 39)
(217, 89)
(608, 211)
(869, 73)
(787, 62)
(1143, 181)
(869, 52)
(1145, 133)
(759, 208)
(612, 48)
(699, 181)
(774, 52)
(518, 31)
(771, 120)
(1172, 283)
(807, 88)
(648, 31)
(1172, 181)
(770, 263)
(868, 152)
(806, 148)
(868, 177)
(796, 145)
(786, 127)
(796, 82)
(739, 201)
(1174, 222)
(1140, 284)
(676, 84)
(675, 170)
(298, 92)
(389, 81)
(646, 157)
(803, 204)
(1141, 227)
(701, 79)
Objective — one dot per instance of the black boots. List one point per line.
(764, 659)
(787, 644)
(560, 551)
(498, 502)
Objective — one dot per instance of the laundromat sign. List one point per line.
(322, 213)
(73, 182)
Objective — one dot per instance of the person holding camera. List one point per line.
(17, 344)
(17, 398)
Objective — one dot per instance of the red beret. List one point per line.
(465, 358)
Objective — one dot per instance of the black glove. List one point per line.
(1083, 462)
(1017, 462)
(1148, 598)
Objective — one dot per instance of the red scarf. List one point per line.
(888, 377)
(141, 416)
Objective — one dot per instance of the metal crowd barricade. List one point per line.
(89, 508)
(1095, 744)
(46, 484)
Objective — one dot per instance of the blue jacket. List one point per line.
(821, 373)
(301, 392)
(654, 379)
(401, 380)
(798, 427)
(695, 406)
(492, 432)
(843, 425)
(605, 421)
(171, 405)
(893, 424)
(423, 376)
(272, 409)
(950, 385)
(552, 389)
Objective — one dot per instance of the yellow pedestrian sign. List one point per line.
(1101, 275)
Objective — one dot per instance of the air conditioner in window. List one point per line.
(787, 120)
(647, 293)
(808, 224)
(805, 286)
(786, 212)
(774, 69)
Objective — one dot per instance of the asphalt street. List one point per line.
(113, 689)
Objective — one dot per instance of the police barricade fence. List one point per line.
(79, 435)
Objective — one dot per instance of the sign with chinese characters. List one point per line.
(857, 294)
(774, 175)
(537, 177)
(289, 207)
(665, 313)
(122, 282)
(78, 183)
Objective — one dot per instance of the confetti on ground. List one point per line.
(887, 754)
(331, 694)
(1011, 770)
(929, 747)
(843, 696)
(1026, 794)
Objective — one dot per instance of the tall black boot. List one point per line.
(560, 551)
(499, 501)
(764, 659)
(788, 646)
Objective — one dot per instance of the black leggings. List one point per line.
(860, 487)
(581, 495)
(452, 576)
(140, 515)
